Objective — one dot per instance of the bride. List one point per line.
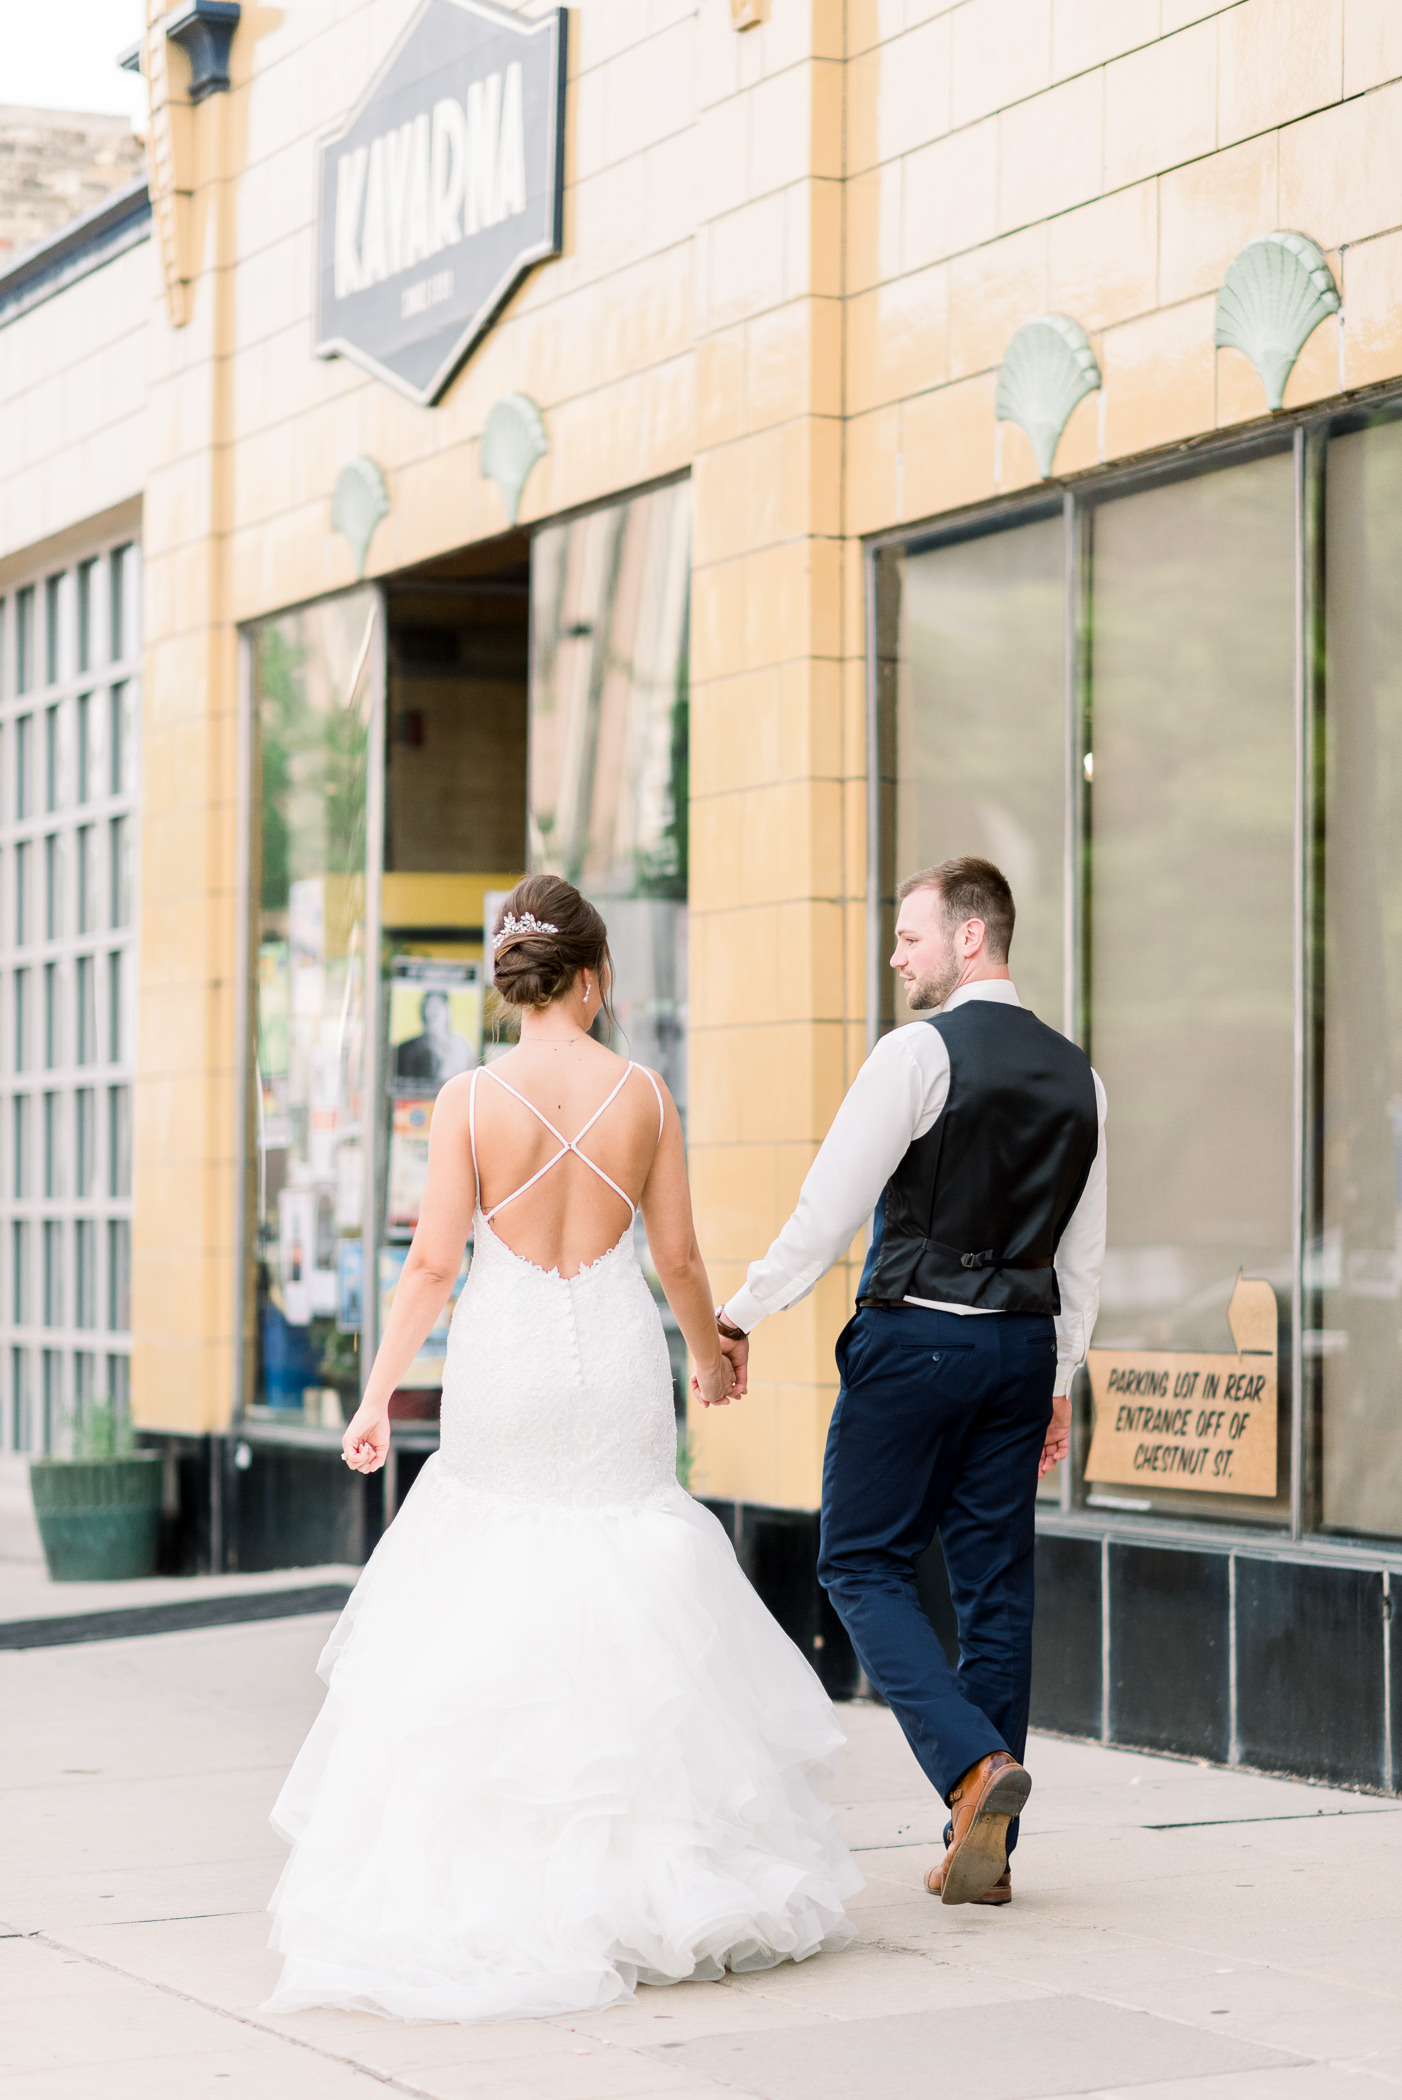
(564, 1748)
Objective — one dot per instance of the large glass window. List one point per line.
(980, 655)
(1228, 781)
(317, 680)
(610, 596)
(1191, 908)
(69, 1223)
(1354, 1334)
(609, 610)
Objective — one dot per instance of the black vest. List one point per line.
(974, 1212)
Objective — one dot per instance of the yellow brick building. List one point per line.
(773, 343)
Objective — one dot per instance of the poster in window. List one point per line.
(296, 1246)
(435, 1022)
(410, 1117)
(426, 1371)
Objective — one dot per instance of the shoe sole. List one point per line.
(982, 1857)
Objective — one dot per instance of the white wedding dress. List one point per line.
(564, 1748)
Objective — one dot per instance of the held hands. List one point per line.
(713, 1384)
(738, 1352)
(365, 1445)
(730, 1379)
(1058, 1441)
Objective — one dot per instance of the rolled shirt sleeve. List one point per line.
(895, 1098)
(1079, 1260)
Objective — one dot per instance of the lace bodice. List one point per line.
(557, 1390)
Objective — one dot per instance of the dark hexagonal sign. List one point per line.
(443, 186)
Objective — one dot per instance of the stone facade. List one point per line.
(55, 164)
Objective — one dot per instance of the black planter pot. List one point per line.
(98, 1518)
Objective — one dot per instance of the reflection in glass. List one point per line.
(609, 609)
(87, 1010)
(317, 679)
(53, 1272)
(85, 1273)
(119, 1140)
(87, 880)
(85, 1142)
(119, 872)
(53, 886)
(53, 604)
(53, 1144)
(1354, 1330)
(118, 1275)
(1191, 913)
(86, 571)
(608, 759)
(24, 640)
(24, 750)
(981, 730)
(19, 1146)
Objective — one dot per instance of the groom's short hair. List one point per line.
(970, 888)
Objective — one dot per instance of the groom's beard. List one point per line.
(933, 990)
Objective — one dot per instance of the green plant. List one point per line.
(101, 1432)
(686, 1460)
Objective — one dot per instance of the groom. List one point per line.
(981, 1132)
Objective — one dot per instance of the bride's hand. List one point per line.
(713, 1385)
(365, 1445)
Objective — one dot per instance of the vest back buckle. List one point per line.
(977, 1261)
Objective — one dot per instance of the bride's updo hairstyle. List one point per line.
(536, 963)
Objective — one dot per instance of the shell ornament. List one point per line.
(513, 439)
(360, 502)
(1276, 293)
(1047, 368)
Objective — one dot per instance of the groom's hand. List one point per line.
(1058, 1441)
(739, 1355)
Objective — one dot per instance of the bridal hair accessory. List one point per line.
(511, 927)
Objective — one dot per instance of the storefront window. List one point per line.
(1190, 923)
(1111, 690)
(981, 730)
(1353, 1333)
(609, 605)
(317, 679)
(608, 771)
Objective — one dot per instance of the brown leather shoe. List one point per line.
(1000, 1893)
(983, 1804)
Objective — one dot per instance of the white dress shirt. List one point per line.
(897, 1096)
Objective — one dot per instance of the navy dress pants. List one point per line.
(938, 1428)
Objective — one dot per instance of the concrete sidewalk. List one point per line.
(1179, 1933)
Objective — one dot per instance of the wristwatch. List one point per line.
(728, 1328)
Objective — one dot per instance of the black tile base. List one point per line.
(1066, 1673)
(1309, 1644)
(302, 1509)
(1170, 1651)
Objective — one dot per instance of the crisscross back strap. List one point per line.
(565, 1144)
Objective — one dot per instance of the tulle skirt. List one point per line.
(563, 1751)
